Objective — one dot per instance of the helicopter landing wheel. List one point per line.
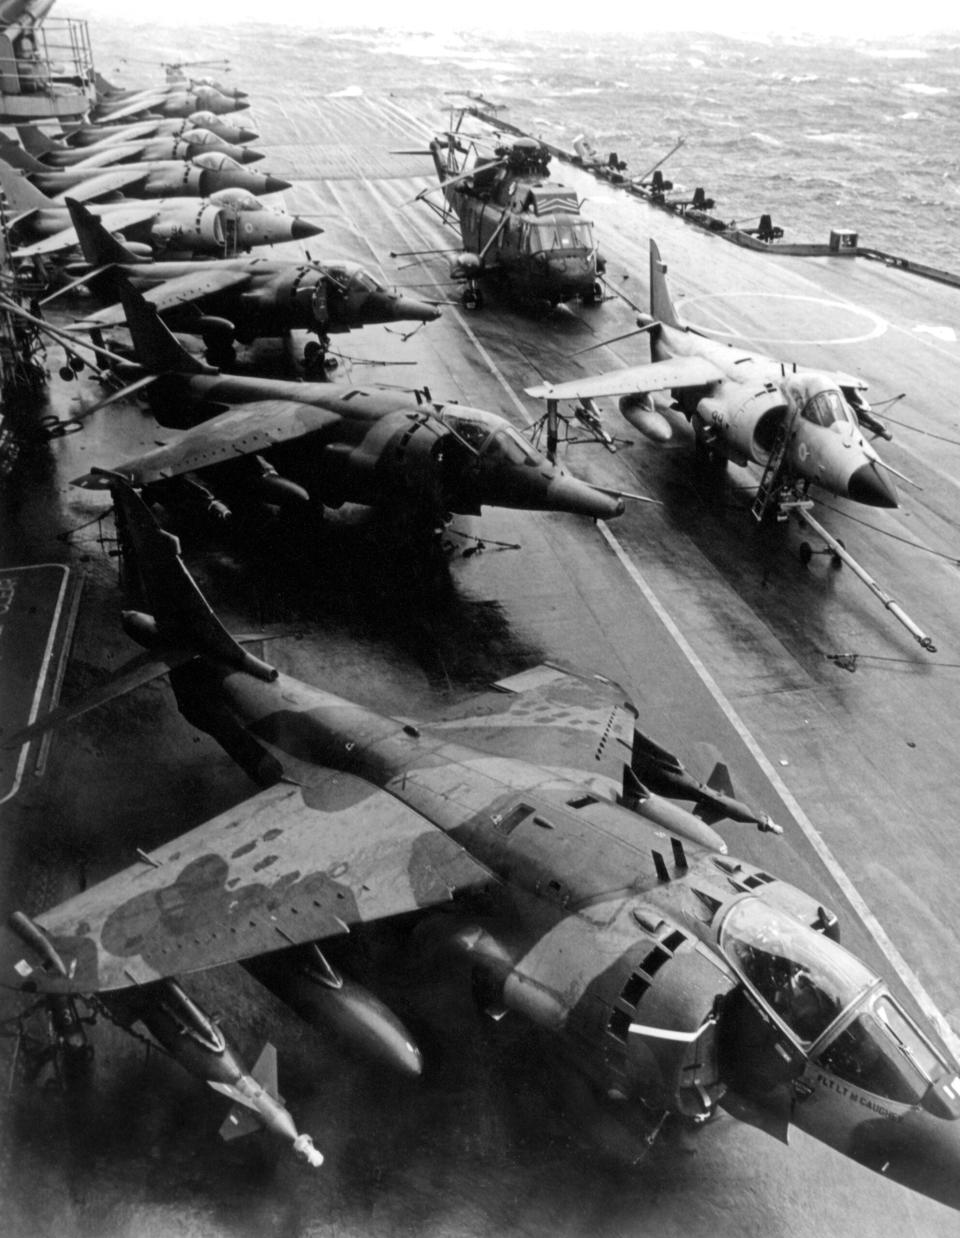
(806, 554)
(473, 299)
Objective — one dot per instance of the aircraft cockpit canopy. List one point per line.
(199, 137)
(821, 403)
(807, 980)
(239, 199)
(490, 437)
(839, 1011)
(882, 1052)
(216, 161)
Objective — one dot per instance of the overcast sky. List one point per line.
(633, 16)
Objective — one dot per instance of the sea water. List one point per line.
(818, 132)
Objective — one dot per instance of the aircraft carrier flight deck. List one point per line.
(827, 712)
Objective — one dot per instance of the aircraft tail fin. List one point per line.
(14, 154)
(154, 344)
(35, 140)
(661, 303)
(265, 1070)
(100, 247)
(22, 195)
(105, 89)
(180, 616)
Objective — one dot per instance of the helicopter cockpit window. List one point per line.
(572, 236)
(883, 1053)
(804, 978)
(548, 237)
(827, 407)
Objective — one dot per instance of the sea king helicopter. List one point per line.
(515, 222)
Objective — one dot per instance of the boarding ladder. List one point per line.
(769, 482)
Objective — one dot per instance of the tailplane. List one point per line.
(661, 303)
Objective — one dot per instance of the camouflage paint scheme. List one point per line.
(341, 444)
(259, 296)
(671, 974)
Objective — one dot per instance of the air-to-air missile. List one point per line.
(673, 977)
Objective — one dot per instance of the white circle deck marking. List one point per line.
(878, 327)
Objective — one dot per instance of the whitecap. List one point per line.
(894, 53)
(348, 92)
(766, 139)
(921, 88)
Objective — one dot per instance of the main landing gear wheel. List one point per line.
(316, 361)
(595, 295)
(711, 466)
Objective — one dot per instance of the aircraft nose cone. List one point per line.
(275, 184)
(918, 1151)
(239, 105)
(408, 309)
(870, 485)
(302, 229)
(247, 135)
(569, 494)
(247, 154)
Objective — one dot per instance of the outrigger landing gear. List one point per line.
(316, 361)
(472, 297)
(50, 1044)
(807, 552)
(558, 425)
(840, 555)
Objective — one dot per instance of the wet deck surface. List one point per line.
(480, 1145)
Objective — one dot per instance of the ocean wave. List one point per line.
(922, 88)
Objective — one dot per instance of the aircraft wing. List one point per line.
(551, 717)
(133, 107)
(116, 220)
(99, 186)
(290, 865)
(638, 379)
(106, 157)
(173, 292)
(242, 431)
